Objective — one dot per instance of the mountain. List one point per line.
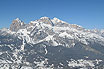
(50, 44)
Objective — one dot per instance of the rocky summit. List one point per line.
(50, 44)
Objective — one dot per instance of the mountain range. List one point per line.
(50, 44)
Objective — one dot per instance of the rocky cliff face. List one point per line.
(16, 25)
(50, 43)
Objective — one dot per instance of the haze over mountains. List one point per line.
(50, 43)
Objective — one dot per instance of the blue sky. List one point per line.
(87, 13)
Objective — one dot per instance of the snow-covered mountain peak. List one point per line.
(45, 20)
(57, 20)
(17, 19)
(44, 17)
(53, 22)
